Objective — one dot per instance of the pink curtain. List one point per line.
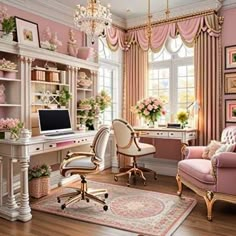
(208, 81)
(203, 32)
(135, 80)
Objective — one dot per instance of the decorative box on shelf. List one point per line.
(7, 73)
(39, 187)
(38, 73)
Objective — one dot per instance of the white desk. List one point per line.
(21, 151)
(184, 135)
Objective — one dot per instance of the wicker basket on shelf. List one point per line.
(39, 187)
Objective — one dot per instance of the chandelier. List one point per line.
(94, 19)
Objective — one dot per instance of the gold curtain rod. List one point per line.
(174, 19)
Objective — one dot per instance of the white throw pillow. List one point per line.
(210, 150)
(225, 148)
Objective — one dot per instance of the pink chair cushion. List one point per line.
(199, 169)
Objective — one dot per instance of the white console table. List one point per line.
(21, 151)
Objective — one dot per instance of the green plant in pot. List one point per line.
(64, 97)
(182, 117)
(8, 23)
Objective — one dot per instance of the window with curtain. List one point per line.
(171, 77)
(110, 79)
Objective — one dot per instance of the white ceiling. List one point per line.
(62, 10)
(127, 9)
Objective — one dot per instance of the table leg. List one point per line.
(11, 200)
(24, 210)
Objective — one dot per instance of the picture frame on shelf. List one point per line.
(230, 110)
(27, 32)
(230, 83)
(230, 57)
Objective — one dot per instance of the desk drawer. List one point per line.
(154, 134)
(85, 140)
(175, 134)
(36, 148)
(47, 146)
(161, 134)
(191, 135)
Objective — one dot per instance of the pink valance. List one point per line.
(115, 38)
(188, 29)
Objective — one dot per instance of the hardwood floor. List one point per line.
(196, 224)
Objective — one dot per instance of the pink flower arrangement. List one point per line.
(149, 108)
(13, 125)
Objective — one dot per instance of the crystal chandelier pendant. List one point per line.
(94, 19)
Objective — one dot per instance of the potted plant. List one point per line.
(151, 109)
(39, 181)
(64, 97)
(8, 24)
(182, 117)
(10, 128)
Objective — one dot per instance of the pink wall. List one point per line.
(229, 32)
(62, 30)
(228, 38)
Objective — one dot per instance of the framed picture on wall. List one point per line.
(230, 83)
(27, 32)
(230, 110)
(230, 57)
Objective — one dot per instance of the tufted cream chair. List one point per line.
(127, 143)
(213, 179)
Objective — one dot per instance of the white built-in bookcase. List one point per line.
(23, 93)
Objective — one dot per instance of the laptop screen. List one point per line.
(53, 121)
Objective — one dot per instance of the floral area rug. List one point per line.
(130, 209)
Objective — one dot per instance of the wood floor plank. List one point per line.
(196, 224)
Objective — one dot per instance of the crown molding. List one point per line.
(62, 13)
(228, 4)
(176, 12)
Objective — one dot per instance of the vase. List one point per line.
(7, 37)
(151, 124)
(39, 187)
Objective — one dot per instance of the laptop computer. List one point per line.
(54, 122)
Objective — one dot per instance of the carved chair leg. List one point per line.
(180, 187)
(209, 199)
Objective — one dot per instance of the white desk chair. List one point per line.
(83, 163)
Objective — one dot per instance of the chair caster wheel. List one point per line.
(58, 200)
(128, 184)
(116, 178)
(63, 206)
(106, 195)
(87, 199)
(155, 176)
(105, 207)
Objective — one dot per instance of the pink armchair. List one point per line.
(213, 179)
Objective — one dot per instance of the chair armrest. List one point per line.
(194, 152)
(225, 160)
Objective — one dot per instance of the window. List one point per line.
(171, 76)
(109, 79)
